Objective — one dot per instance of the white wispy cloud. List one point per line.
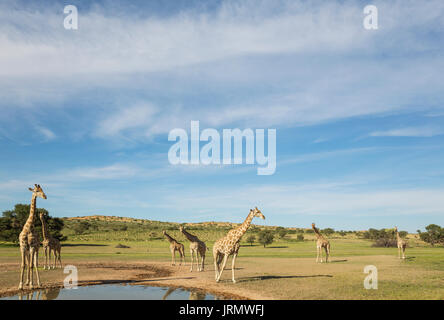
(47, 134)
(179, 55)
(429, 131)
(126, 119)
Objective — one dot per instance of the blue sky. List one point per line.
(359, 113)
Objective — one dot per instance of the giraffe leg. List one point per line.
(317, 254)
(29, 268)
(202, 266)
(192, 259)
(36, 266)
(22, 268)
(326, 254)
(216, 263)
(60, 258)
(232, 267)
(173, 257)
(55, 258)
(223, 267)
(45, 253)
(199, 255)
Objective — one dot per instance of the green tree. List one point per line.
(12, 222)
(328, 231)
(81, 227)
(434, 234)
(265, 237)
(281, 232)
(251, 239)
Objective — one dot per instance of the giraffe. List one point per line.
(30, 243)
(197, 247)
(50, 243)
(175, 246)
(229, 245)
(402, 244)
(322, 242)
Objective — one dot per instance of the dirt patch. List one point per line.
(132, 273)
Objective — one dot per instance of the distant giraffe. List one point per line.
(175, 246)
(197, 247)
(50, 244)
(402, 244)
(322, 242)
(229, 245)
(30, 242)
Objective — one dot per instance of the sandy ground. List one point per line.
(257, 278)
(133, 272)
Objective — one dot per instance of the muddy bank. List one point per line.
(129, 273)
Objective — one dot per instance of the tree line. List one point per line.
(12, 222)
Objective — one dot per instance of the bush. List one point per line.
(382, 238)
(384, 242)
(250, 239)
(81, 227)
(434, 234)
(328, 231)
(12, 222)
(300, 237)
(265, 237)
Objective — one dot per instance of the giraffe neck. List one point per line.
(189, 236)
(169, 238)
(397, 236)
(317, 233)
(244, 226)
(29, 225)
(44, 228)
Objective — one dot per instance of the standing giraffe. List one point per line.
(30, 243)
(402, 244)
(50, 243)
(197, 247)
(175, 246)
(322, 242)
(229, 245)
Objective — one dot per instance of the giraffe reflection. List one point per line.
(42, 294)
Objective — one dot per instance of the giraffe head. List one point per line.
(38, 191)
(164, 232)
(42, 214)
(181, 228)
(257, 213)
(396, 229)
(313, 225)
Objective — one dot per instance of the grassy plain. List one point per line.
(286, 269)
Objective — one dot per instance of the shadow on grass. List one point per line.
(83, 245)
(278, 247)
(410, 258)
(246, 279)
(335, 261)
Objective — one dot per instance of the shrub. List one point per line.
(265, 237)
